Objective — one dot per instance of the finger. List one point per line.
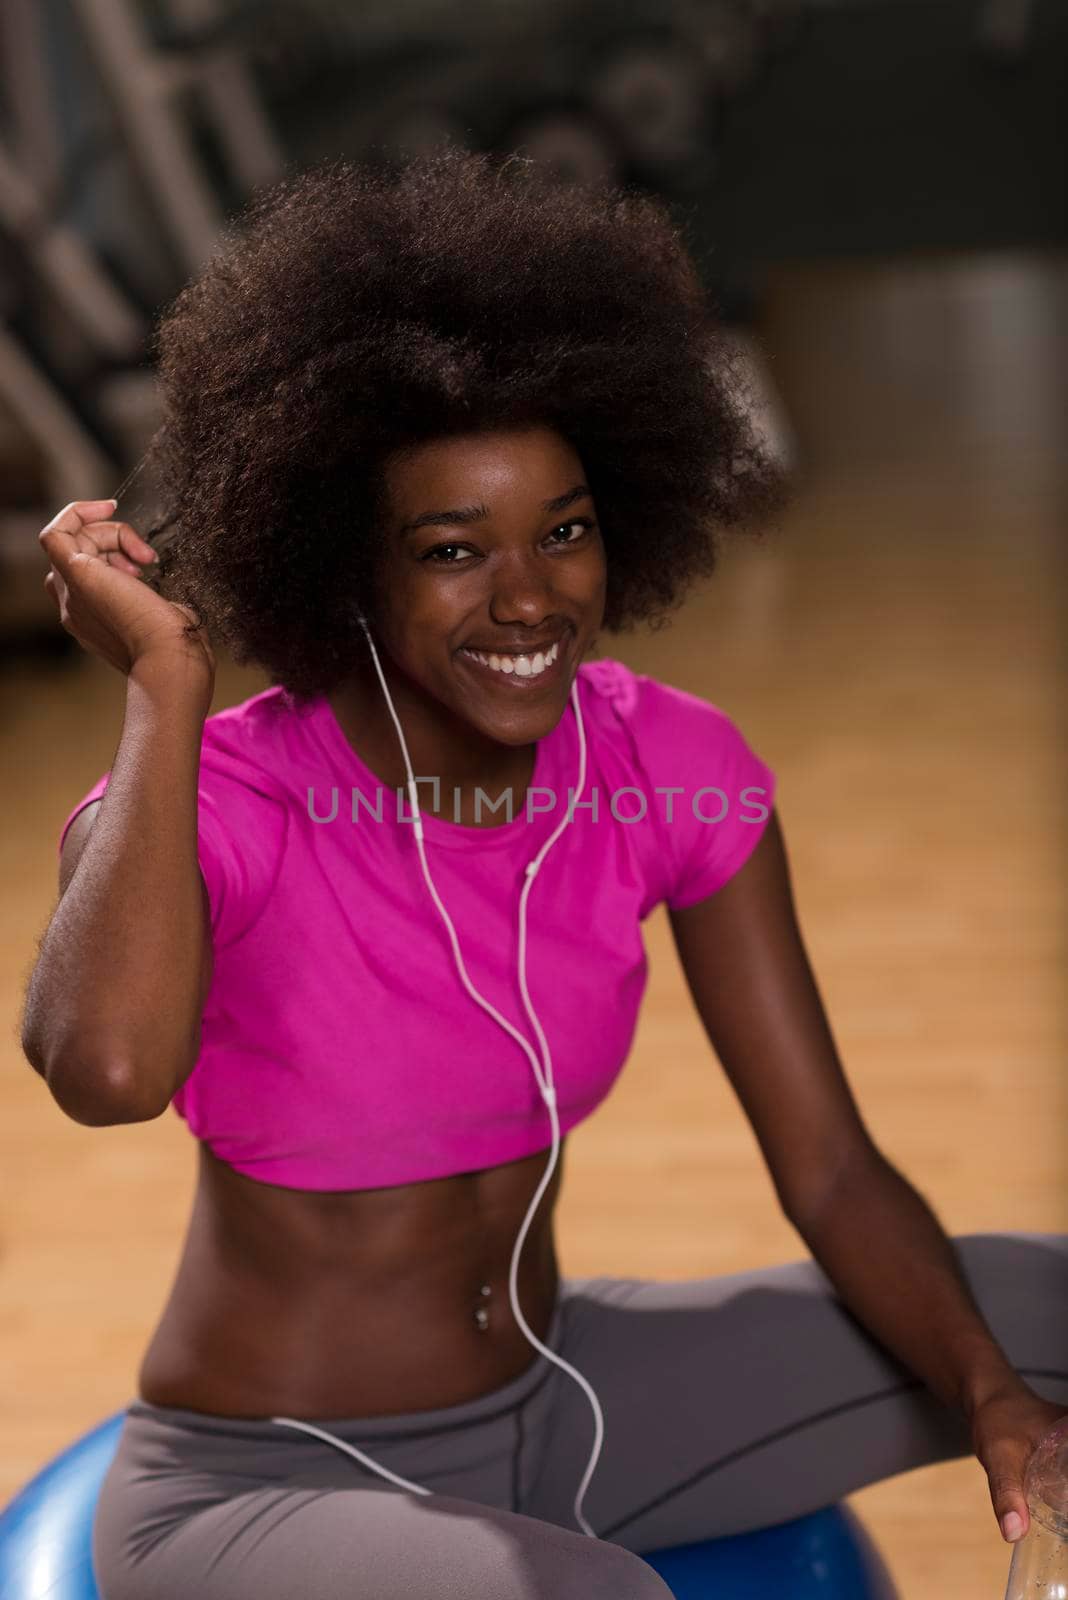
(73, 518)
(72, 563)
(115, 559)
(65, 535)
(55, 585)
(109, 556)
(124, 536)
(84, 565)
(1007, 1493)
(117, 544)
(118, 559)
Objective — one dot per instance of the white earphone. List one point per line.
(545, 1085)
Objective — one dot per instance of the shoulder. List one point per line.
(250, 743)
(242, 809)
(707, 790)
(247, 759)
(657, 717)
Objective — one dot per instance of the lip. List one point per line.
(550, 674)
(524, 649)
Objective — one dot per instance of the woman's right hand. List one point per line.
(95, 567)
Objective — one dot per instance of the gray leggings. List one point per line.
(729, 1403)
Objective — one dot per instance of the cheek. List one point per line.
(591, 580)
(422, 621)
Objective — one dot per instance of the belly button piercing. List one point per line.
(481, 1314)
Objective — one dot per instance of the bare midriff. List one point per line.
(352, 1303)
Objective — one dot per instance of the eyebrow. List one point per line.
(479, 513)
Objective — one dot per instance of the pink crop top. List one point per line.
(339, 1049)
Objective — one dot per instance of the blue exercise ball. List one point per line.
(46, 1531)
(46, 1544)
(826, 1555)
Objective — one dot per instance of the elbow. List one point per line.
(98, 1095)
(828, 1194)
(33, 1055)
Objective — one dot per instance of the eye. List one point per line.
(582, 523)
(436, 557)
(438, 548)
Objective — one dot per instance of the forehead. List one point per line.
(490, 466)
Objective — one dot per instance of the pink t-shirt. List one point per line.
(339, 1049)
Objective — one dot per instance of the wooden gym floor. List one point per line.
(895, 650)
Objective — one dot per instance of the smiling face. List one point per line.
(491, 585)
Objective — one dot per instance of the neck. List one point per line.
(440, 744)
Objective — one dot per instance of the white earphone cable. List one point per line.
(545, 1085)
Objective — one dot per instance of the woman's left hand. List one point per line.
(1006, 1427)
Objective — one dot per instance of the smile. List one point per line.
(519, 669)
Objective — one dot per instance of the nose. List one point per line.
(522, 593)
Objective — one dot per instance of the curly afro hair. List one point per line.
(352, 310)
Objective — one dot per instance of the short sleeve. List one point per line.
(714, 793)
(241, 836)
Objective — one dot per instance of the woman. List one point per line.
(426, 434)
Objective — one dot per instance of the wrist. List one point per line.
(174, 673)
(993, 1379)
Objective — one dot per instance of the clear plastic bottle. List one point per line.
(1039, 1569)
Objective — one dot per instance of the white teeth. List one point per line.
(521, 666)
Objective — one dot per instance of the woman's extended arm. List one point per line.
(869, 1229)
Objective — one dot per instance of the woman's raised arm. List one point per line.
(113, 1005)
